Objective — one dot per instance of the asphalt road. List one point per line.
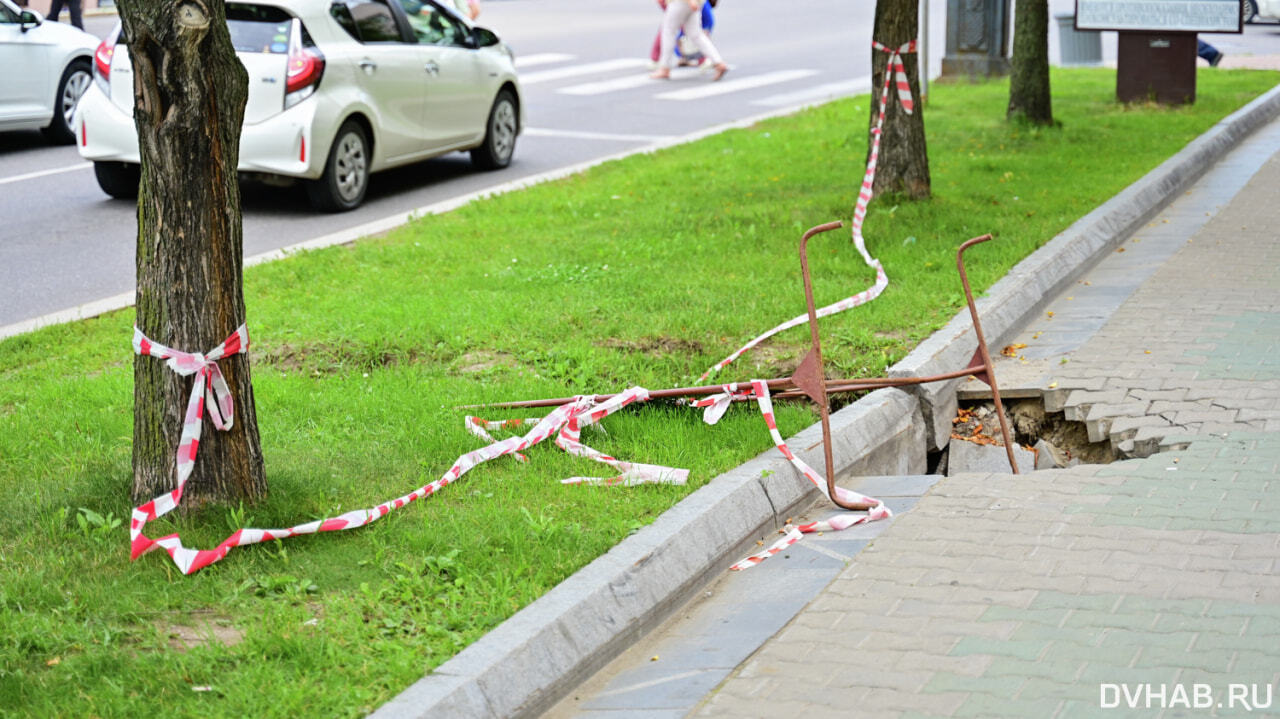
(64, 243)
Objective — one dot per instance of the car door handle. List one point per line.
(432, 68)
(368, 65)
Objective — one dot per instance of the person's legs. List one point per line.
(677, 13)
(1210, 53)
(55, 9)
(74, 7)
(693, 29)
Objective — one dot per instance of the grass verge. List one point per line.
(642, 271)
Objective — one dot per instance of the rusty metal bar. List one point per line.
(810, 381)
(988, 369)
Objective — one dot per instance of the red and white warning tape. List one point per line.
(895, 71)
(566, 423)
(760, 391)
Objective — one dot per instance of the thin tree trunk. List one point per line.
(904, 158)
(190, 91)
(1029, 82)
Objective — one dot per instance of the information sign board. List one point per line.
(1160, 15)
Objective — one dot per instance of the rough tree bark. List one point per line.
(904, 158)
(189, 92)
(1029, 82)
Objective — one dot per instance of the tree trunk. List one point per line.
(1029, 83)
(904, 158)
(189, 91)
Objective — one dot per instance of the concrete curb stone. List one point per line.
(1033, 282)
(527, 663)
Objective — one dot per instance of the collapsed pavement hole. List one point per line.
(1054, 441)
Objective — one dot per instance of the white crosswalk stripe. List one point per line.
(545, 58)
(817, 93)
(591, 68)
(599, 88)
(724, 87)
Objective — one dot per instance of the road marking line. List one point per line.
(45, 173)
(599, 88)
(818, 93)
(577, 135)
(724, 87)
(560, 73)
(544, 58)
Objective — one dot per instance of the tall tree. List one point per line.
(903, 164)
(189, 91)
(1029, 82)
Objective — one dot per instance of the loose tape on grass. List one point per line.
(896, 72)
(565, 423)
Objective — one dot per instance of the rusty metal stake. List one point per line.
(810, 381)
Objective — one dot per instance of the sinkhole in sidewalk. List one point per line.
(1048, 440)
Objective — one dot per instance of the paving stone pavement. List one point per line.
(1145, 587)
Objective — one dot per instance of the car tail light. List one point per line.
(306, 66)
(102, 63)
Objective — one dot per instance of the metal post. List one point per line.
(923, 55)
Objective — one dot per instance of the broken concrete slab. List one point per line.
(970, 457)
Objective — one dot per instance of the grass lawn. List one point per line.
(642, 271)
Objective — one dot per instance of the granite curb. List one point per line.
(527, 663)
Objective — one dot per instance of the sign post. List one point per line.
(1156, 53)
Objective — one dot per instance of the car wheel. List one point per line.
(75, 80)
(346, 172)
(1249, 10)
(118, 179)
(500, 134)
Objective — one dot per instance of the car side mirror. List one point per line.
(483, 37)
(29, 19)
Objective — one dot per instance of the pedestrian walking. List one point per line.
(1211, 54)
(686, 56)
(686, 15)
(73, 7)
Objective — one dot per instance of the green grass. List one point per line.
(642, 271)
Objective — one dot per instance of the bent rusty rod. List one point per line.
(809, 380)
(987, 367)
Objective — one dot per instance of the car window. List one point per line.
(7, 16)
(433, 26)
(255, 28)
(367, 20)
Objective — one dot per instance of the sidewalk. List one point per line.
(1148, 585)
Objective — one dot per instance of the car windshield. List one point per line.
(255, 28)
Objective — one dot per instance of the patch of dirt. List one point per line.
(655, 346)
(207, 630)
(479, 361)
(322, 358)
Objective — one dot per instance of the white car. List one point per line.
(338, 89)
(44, 69)
(1259, 9)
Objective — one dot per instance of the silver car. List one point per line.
(44, 69)
(337, 90)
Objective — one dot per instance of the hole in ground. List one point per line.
(1054, 440)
